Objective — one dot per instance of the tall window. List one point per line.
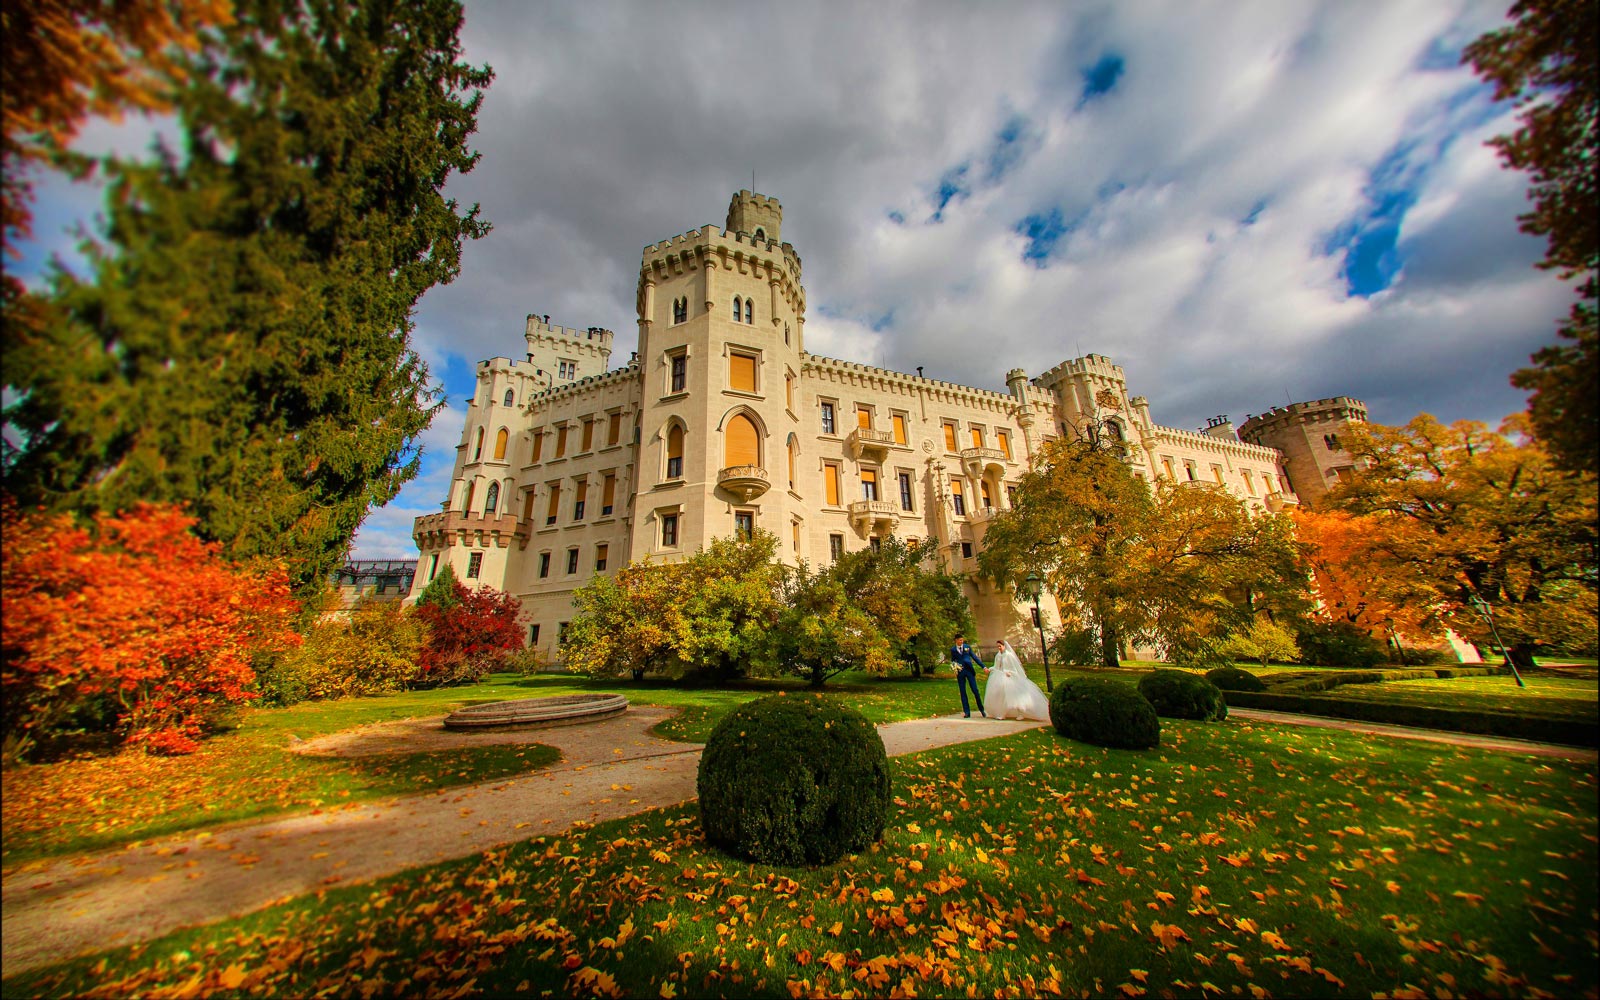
(830, 483)
(567, 369)
(588, 435)
(1166, 466)
(1011, 496)
(1005, 443)
(899, 421)
(474, 565)
(742, 443)
(977, 437)
(579, 498)
(794, 454)
(433, 566)
(680, 371)
(572, 561)
(795, 528)
(983, 490)
(511, 396)
(949, 436)
(466, 498)
(527, 504)
(1249, 484)
(561, 440)
(614, 429)
(738, 307)
(744, 524)
(533, 635)
(608, 495)
(500, 438)
(555, 504)
(680, 310)
(601, 552)
(749, 310)
(538, 443)
(869, 484)
(864, 418)
(477, 449)
(788, 391)
(836, 547)
(958, 497)
(675, 452)
(742, 372)
(1188, 467)
(669, 531)
(827, 418)
(491, 500)
(544, 565)
(905, 490)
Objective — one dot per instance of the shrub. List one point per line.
(372, 650)
(470, 633)
(1338, 644)
(794, 780)
(1235, 679)
(1424, 657)
(1104, 712)
(1177, 694)
(132, 624)
(1261, 643)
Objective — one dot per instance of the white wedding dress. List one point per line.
(1009, 694)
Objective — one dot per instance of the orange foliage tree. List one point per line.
(1358, 580)
(133, 613)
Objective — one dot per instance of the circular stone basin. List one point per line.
(538, 713)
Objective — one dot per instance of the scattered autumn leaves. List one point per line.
(1234, 861)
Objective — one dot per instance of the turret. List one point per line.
(756, 214)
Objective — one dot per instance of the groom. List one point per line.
(966, 663)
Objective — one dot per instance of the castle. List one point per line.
(721, 423)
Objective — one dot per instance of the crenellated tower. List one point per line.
(721, 313)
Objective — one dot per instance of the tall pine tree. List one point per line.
(242, 342)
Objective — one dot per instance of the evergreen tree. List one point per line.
(242, 342)
(442, 590)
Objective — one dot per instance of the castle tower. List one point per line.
(566, 355)
(720, 317)
(1308, 435)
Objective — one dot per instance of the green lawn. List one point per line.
(1236, 859)
(1554, 697)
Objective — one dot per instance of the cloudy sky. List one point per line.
(1240, 203)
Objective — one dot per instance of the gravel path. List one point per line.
(63, 907)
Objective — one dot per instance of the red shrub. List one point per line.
(134, 612)
(467, 637)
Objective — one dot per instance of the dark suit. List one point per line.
(966, 663)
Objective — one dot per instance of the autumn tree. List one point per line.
(1548, 62)
(132, 624)
(1358, 580)
(917, 608)
(242, 341)
(468, 636)
(822, 632)
(1482, 515)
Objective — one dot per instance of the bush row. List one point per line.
(1327, 680)
(1572, 732)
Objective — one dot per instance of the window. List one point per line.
(795, 526)
(794, 454)
(966, 550)
(738, 306)
(544, 565)
(864, 417)
(1216, 473)
(579, 498)
(680, 310)
(608, 495)
(474, 565)
(533, 635)
(786, 334)
(958, 497)
(491, 500)
(1249, 484)
(899, 421)
(601, 553)
(1005, 443)
(669, 531)
(1188, 467)
(836, 547)
(1331, 441)
(680, 371)
(527, 504)
(511, 396)
(588, 435)
(788, 391)
(561, 632)
(1011, 496)
(742, 372)
(555, 504)
(561, 440)
(983, 491)
(613, 429)
(477, 450)
(538, 443)
(977, 437)
(744, 524)
(827, 418)
(905, 490)
(749, 310)
(466, 499)
(675, 452)
(741, 442)
(761, 234)
(949, 435)
(572, 561)
(567, 369)
(876, 543)
(433, 566)
(869, 484)
(1114, 431)
(1166, 466)
(830, 483)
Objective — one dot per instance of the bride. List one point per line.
(1009, 694)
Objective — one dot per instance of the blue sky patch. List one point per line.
(1010, 145)
(1255, 213)
(952, 185)
(1102, 77)
(1369, 240)
(1043, 230)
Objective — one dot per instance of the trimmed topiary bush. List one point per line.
(1104, 712)
(1177, 694)
(1235, 679)
(794, 781)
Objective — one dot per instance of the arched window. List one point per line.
(466, 499)
(761, 234)
(675, 452)
(500, 439)
(477, 451)
(749, 310)
(794, 456)
(1113, 430)
(511, 396)
(786, 334)
(491, 500)
(737, 305)
(680, 310)
(741, 442)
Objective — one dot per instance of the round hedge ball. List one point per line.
(1178, 694)
(1104, 712)
(1235, 679)
(794, 780)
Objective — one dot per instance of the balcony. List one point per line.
(744, 481)
(874, 445)
(976, 460)
(453, 526)
(870, 516)
(982, 514)
(1276, 502)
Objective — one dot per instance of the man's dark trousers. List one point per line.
(966, 661)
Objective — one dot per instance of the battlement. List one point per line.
(590, 382)
(749, 212)
(1202, 441)
(888, 376)
(540, 326)
(1089, 364)
(1333, 408)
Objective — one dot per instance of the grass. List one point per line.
(1552, 697)
(1236, 859)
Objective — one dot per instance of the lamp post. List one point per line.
(1482, 607)
(1037, 585)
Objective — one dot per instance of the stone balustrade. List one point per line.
(744, 481)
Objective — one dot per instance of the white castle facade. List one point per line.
(723, 424)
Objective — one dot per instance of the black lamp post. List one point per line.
(1481, 606)
(1038, 619)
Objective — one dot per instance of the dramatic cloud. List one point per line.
(1239, 203)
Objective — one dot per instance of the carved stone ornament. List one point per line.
(927, 446)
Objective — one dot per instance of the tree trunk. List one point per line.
(638, 673)
(1522, 655)
(1108, 646)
